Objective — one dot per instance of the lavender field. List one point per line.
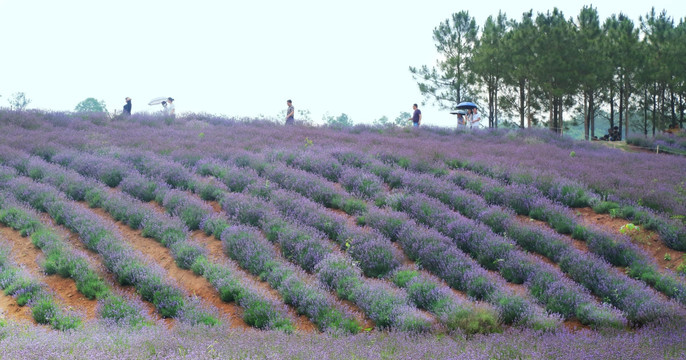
(208, 237)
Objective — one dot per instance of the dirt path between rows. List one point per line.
(193, 284)
(647, 240)
(27, 255)
(95, 260)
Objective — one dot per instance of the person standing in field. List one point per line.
(127, 107)
(461, 121)
(171, 110)
(416, 116)
(290, 113)
(475, 119)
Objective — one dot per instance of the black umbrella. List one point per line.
(466, 105)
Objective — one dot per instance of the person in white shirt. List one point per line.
(171, 110)
(475, 119)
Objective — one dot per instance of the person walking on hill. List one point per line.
(416, 116)
(475, 119)
(290, 113)
(127, 107)
(461, 121)
(171, 109)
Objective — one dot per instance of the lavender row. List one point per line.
(259, 311)
(513, 308)
(374, 253)
(26, 289)
(560, 295)
(194, 213)
(128, 265)
(620, 253)
(308, 248)
(62, 259)
(553, 187)
(375, 256)
(438, 254)
(526, 200)
(247, 246)
(638, 302)
(672, 232)
(360, 184)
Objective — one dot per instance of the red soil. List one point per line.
(96, 263)
(26, 254)
(186, 279)
(648, 240)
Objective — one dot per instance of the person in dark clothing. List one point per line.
(616, 136)
(290, 112)
(127, 107)
(416, 116)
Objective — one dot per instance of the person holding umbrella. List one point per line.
(475, 119)
(171, 110)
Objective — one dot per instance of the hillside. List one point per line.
(196, 232)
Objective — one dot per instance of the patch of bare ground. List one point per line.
(648, 240)
(186, 279)
(13, 312)
(95, 260)
(27, 255)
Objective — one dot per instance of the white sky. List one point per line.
(243, 58)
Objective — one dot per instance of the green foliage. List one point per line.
(452, 81)
(338, 121)
(91, 105)
(18, 101)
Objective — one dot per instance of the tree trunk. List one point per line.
(551, 117)
(560, 119)
(587, 118)
(591, 114)
(522, 109)
(621, 110)
(627, 95)
(612, 108)
(645, 112)
(654, 107)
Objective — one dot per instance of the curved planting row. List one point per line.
(559, 189)
(259, 311)
(63, 259)
(553, 187)
(374, 253)
(128, 265)
(30, 291)
(619, 253)
(375, 256)
(292, 285)
(547, 284)
(307, 249)
(598, 315)
(526, 200)
(638, 302)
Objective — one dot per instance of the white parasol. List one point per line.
(157, 100)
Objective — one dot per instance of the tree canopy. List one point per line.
(547, 68)
(91, 105)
